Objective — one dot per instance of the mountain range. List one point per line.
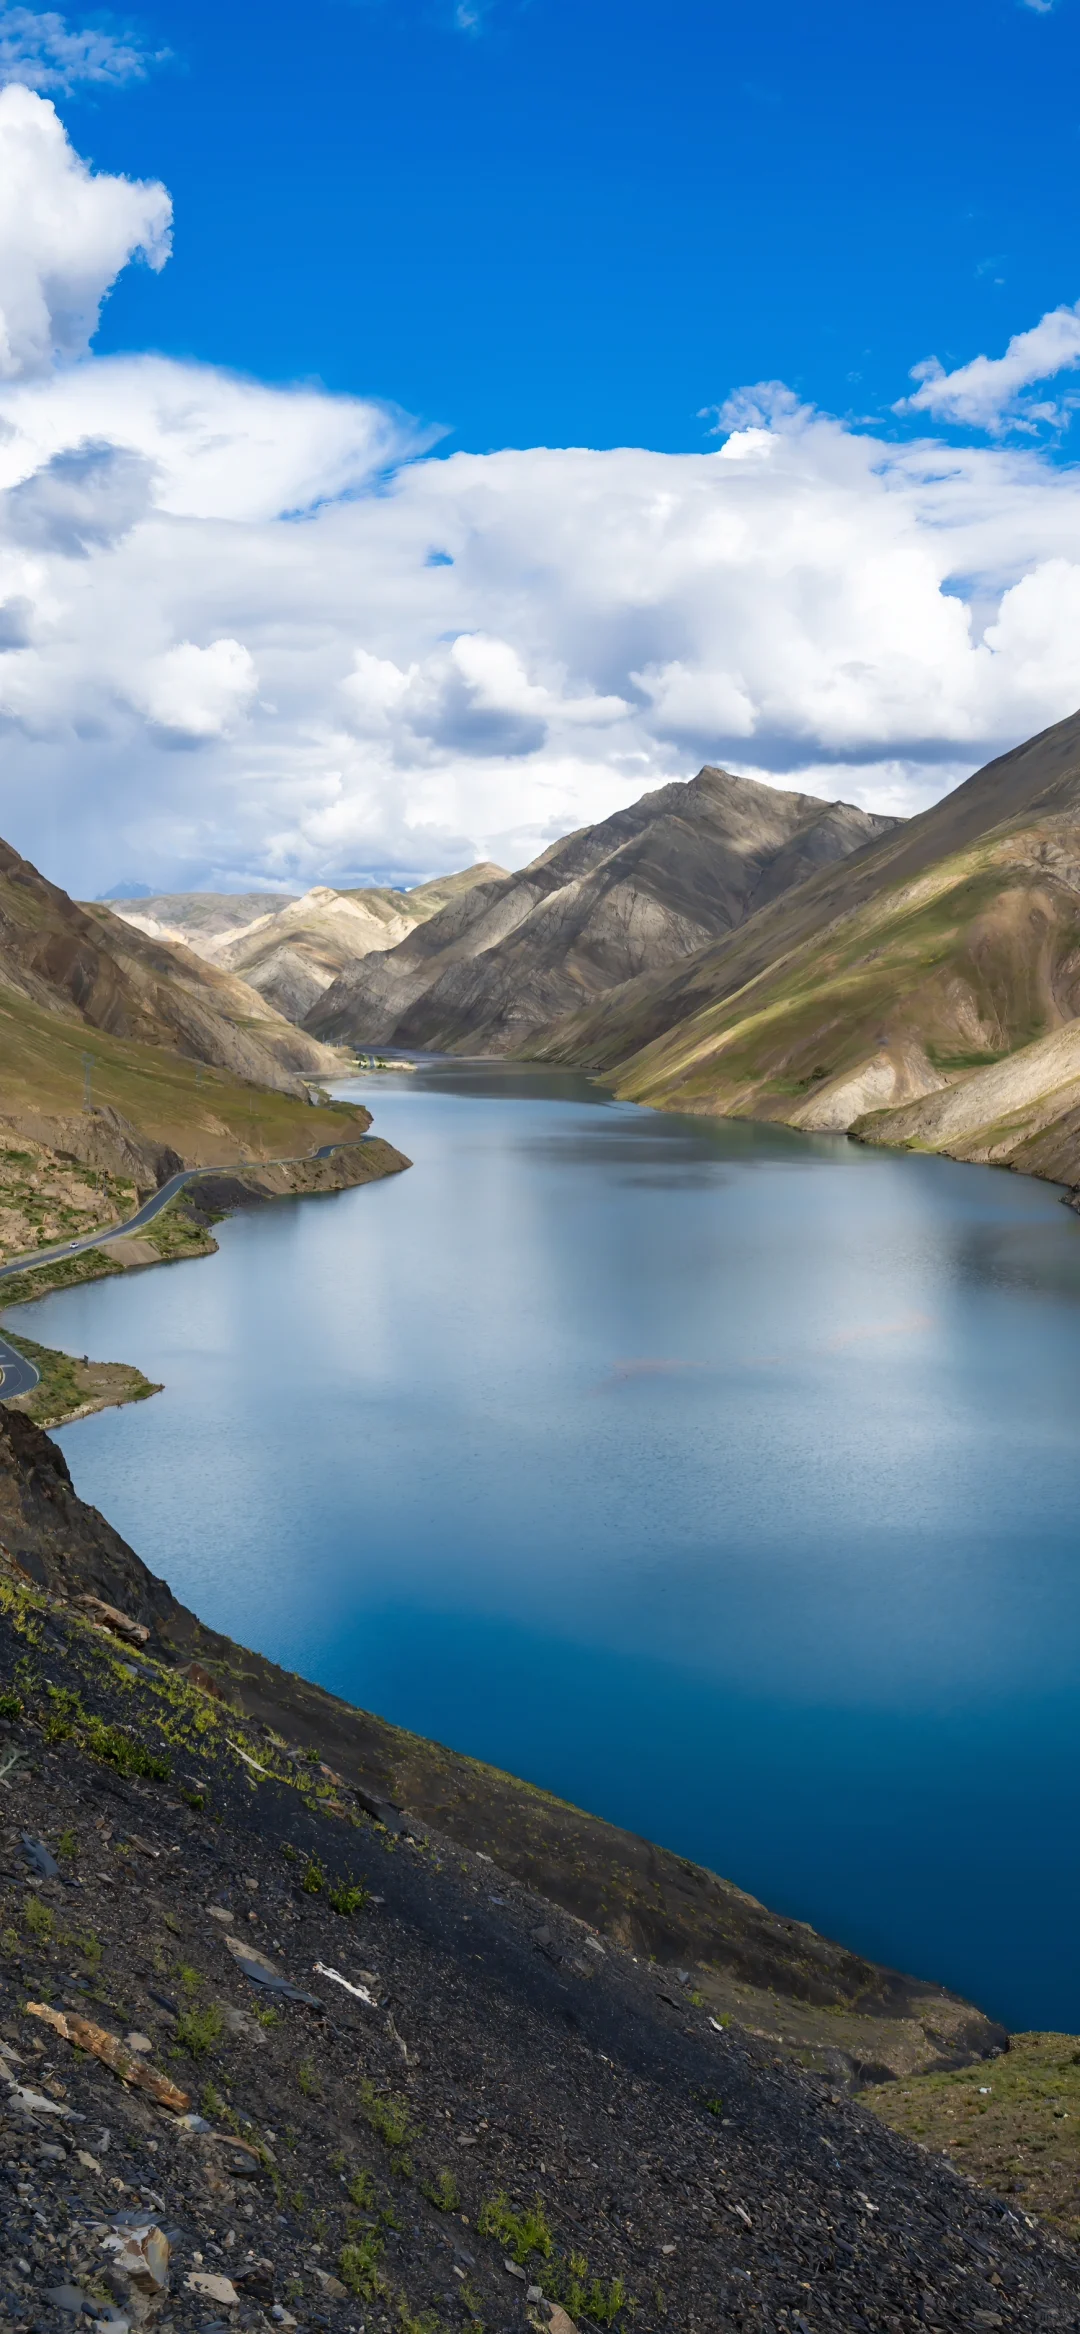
(925, 991)
(630, 896)
(291, 949)
(124, 1047)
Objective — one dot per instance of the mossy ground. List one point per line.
(1013, 2123)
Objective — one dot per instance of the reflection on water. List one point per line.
(722, 1479)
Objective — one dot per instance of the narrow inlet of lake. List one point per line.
(723, 1480)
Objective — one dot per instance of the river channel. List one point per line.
(725, 1481)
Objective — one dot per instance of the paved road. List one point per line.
(17, 1375)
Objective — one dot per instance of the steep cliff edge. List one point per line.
(268, 2058)
(830, 2007)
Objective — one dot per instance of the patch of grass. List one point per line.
(38, 1918)
(69, 1388)
(583, 2295)
(65, 1272)
(391, 2122)
(10, 1706)
(90, 1947)
(199, 2031)
(348, 1897)
(361, 2191)
(409, 2323)
(313, 1879)
(442, 2192)
(1013, 2122)
(67, 1845)
(9, 1940)
(307, 2080)
(519, 2233)
(358, 2267)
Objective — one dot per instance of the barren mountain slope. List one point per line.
(204, 921)
(292, 956)
(426, 2097)
(640, 890)
(944, 949)
(89, 965)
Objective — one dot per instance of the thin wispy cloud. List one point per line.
(41, 50)
(987, 393)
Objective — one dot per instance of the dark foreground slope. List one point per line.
(508, 2125)
(837, 2011)
(638, 892)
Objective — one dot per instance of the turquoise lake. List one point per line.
(723, 1480)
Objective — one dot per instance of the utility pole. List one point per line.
(88, 1074)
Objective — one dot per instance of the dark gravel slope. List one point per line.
(511, 2088)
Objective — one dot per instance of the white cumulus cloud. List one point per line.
(380, 661)
(985, 394)
(65, 234)
(195, 693)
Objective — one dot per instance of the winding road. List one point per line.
(17, 1375)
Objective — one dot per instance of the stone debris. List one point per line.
(550, 2156)
(110, 2050)
(110, 1617)
(39, 1857)
(142, 2254)
(216, 2289)
(360, 1993)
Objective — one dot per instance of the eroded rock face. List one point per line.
(633, 894)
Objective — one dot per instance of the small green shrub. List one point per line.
(10, 1706)
(67, 1845)
(38, 1918)
(199, 2031)
(358, 2267)
(195, 1799)
(313, 1880)
(90, 1948)
(583, 2296)
(443, 2192)
(9, 1941)
(361, 2191)
(121, 1751)
(390, 2121)
(348, 1898)
(307, 2080)
(519, 2233)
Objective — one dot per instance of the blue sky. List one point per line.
(585, 220)
(426, 425)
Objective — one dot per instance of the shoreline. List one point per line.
(165, 1229)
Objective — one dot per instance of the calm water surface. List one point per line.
(723, 1480)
